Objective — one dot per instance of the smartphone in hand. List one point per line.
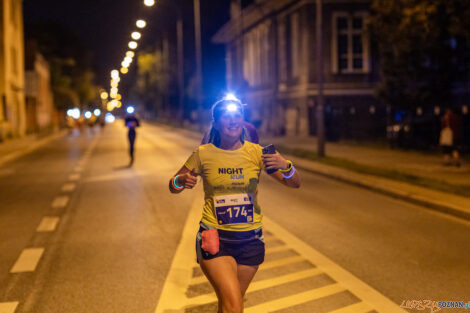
(269, 149)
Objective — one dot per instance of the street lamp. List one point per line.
(114, 74)
(124, 70)
(319, 66)
(128, 60)
(136, 35)
(132, 45)
(149, 3)
(141, 23)
(130, 54)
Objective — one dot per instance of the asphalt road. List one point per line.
(118, 229)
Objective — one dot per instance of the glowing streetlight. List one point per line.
(118, 97)
(136, 35)
(149, 3)
(128, 60)
(114, 74)
(114, 84)
(109, 117)
(87, 114)
(114, 91)
(104, 95)
(130, 54)
(132, 45)
(124, 64)
(124, 70)
(130, 109)
(97, 112)
(141, 23)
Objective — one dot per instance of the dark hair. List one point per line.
(217, 109)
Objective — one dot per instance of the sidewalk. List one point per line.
(14, 148)
(370, 167)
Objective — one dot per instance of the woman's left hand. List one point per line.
(275, 161)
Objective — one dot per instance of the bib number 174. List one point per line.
(234, 214)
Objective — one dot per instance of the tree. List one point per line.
(71, 74)
(423, 48)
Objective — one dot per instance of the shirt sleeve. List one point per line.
(194, 162)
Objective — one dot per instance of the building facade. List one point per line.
(12, 99)
(41, 114)
(270, 55)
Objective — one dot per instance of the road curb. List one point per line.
(25, 150)
(372, 184)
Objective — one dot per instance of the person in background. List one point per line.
(131, 122)
(450, 137)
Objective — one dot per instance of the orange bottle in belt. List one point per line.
(210, 241)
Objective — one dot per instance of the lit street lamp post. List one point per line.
(319, 66)
(197, 33)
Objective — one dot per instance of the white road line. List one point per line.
(359, 307)
(74, 177)
(359, 288)
(259, 285)
(8, 307)
(276, 249)
(264, 266)
(173, 296)
(299, 298)
(68, 187)
(60, 202)
(28, 260)
(48, 223)
(280, 262)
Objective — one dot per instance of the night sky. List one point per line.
(104, 27)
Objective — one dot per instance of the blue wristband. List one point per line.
(175, 184)
(290, 175)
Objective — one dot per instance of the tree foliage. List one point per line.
(71, 73)
(423, 48)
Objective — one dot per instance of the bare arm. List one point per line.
(186, 179)
(277, 161)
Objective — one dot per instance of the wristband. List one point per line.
(175, 184)
(289, 175)
(289, 168)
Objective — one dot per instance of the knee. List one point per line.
(232, 305)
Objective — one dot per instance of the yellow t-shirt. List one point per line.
(225, 173)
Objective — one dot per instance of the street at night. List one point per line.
(235, 156)
(118, 229)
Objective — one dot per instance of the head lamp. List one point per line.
(231, 107)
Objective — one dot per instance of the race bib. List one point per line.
(234, 209)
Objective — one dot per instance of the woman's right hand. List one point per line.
(188, 180)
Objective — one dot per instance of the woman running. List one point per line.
(230, 243)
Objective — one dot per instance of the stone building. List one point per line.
(40, 111)
(12, 100)
(270, 59)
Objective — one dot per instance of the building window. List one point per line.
(14, 60)
(4, 108)
(350, 43)
(256, 55)
(295, 51)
